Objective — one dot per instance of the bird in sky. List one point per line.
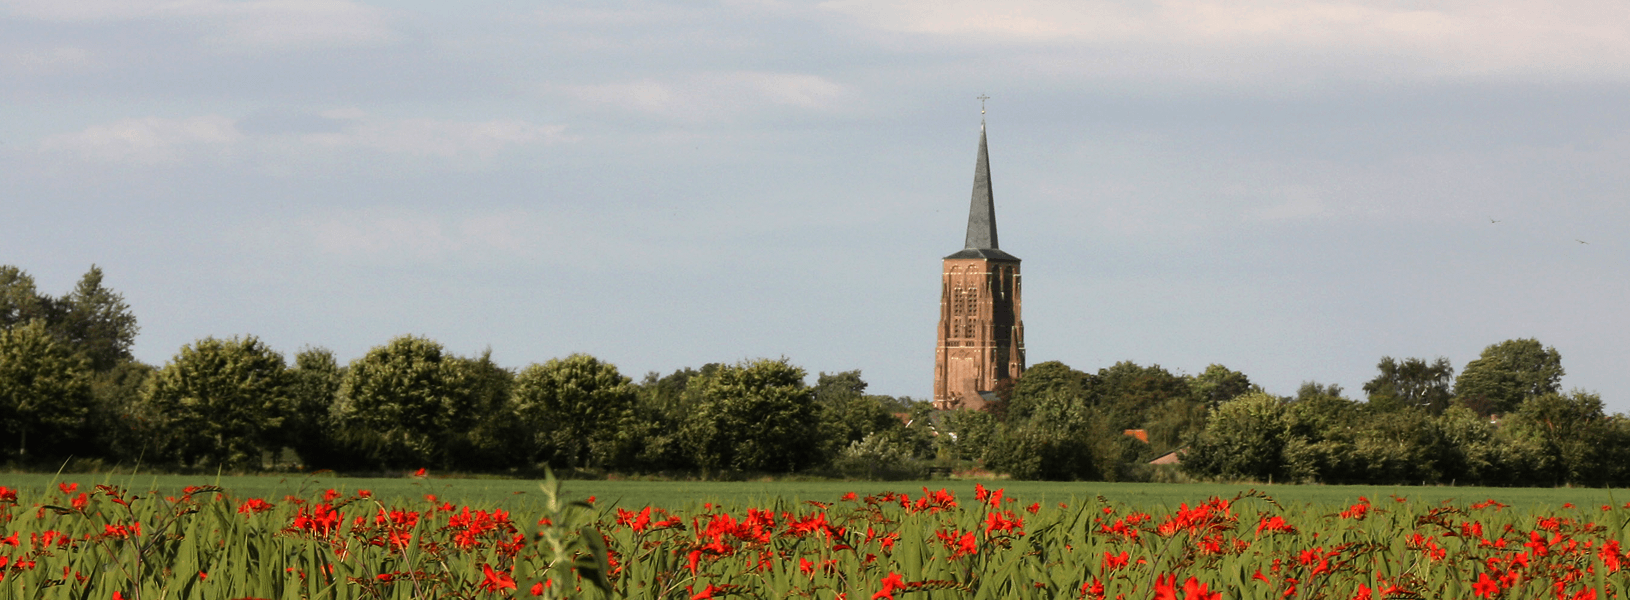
(1581, 241)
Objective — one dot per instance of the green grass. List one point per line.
(682, 494)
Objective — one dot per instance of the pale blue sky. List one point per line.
(1291, 189)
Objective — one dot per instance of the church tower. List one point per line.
(981, 337)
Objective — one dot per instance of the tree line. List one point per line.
(70, 388)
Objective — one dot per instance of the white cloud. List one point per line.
(230, 24)
(1584, 38)
(713, 96)
(148, 141)
(155, 140)
(437, 138)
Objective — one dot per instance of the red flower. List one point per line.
(496, 580)
(1166, 587)
(1112, 562)
(1485, 587)
(1194, 590)
(890, 584)
(705, 593)
(254, 505)
(68, 488)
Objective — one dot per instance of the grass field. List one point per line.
(676, 495)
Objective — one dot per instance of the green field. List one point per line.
(677, 495)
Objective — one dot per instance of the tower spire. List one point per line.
(982, 208)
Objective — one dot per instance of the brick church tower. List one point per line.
(981, 337)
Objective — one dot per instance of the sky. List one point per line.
(1292, 189)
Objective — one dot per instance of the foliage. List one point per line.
(1412, 383)
(1508, 373)
(1244, 438)
(1219, 384)
(92, 319)
(45, 393)
(219, 402)
(753, 416)
(205, 542)
(314, 387)
(404, 404)
(571, 408)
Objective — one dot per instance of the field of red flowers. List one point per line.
(202, 542)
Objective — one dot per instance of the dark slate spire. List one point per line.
(981, 240)
(982, 209)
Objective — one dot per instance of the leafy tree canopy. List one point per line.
(1412, 382)
(1508, 373)
(219, 402)
(44, 391)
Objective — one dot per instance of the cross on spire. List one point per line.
(982, 98)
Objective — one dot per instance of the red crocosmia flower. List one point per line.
(1357, 511)
(496, 580)
(330, 495)
(1112, 562)
(1035, 507)
(1093, 589)
(891, 584)
(81, 501)
(849, 497)
(118, 596)
(1166, 587)
(539, 587)
(806, 566)
(1485, 587)
(68, 488)
(1363, 593)
(967, 545)
(591, 500)
(419, 473)
(254, 505)
(1275, 524)
(705, 594)
(8, 495)
(1194, 590)
(1567, 505)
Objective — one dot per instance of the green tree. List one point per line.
(1508, 373)
(491, 442)
(1573, 436)
(1412, 382)
(1042, 380)
(849, 415)
(571, 408)
(403, 404)
(20, 302)
(97, 321)
(115, 426)
(44, 392)
(92, 320)
(1219, 384)
(1128, 391)
(314, 388)
(1245, 438)
(219, 402)
(754, 416)
(1063, 440)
